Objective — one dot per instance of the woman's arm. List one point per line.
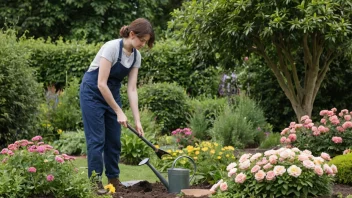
(133, 98)
(104, 72)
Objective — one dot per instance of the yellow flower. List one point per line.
(111, 188)
(195, 158)
(220, 153)
(169, 151)
(216, 144)
(197, 152)
(157, 146)
(48, 125)
(174, 154)
(205, 149)
(227, 155)
(189, 149)
(179, 151)
(212, 151)
(219, 157)
(59, 131)
(45, 161)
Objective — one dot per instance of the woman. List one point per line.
(100, 98)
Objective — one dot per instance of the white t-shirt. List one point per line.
(110, 51)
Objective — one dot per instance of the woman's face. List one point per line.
(139, 42)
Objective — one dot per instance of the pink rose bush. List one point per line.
(332, 134)
(33, 168)
(284, 172)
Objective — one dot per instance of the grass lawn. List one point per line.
(128, 172)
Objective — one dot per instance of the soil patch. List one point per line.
(144, 189)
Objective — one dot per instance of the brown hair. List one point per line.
(140, 27)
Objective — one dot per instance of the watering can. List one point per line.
(178, 177)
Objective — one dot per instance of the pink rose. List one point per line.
(37, 138)
(240, 178)
(347, 117)
(32, 170)
(318, 170)
(270, 175)
(59, 159)
(325, 156)
(336, 140)
(255, 169)
(50, 178)
(223, 186)
(260, 175)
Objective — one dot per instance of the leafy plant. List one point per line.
(332, 134)
(72, 143)
(271, 140)
(33, 168)
(344, 165)
(168, 102)
(278, 173)
(231, 128)
(211, 160)
(133, 148)
(184, 137)
(20, 94)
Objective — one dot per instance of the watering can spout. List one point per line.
(178, 177)
(161, 178)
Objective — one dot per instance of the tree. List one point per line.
(95, 20)
(298, 39)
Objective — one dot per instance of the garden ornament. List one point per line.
(158, 152)
(178, 177)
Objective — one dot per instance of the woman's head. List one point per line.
(140, 31)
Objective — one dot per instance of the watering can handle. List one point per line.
(194, 164)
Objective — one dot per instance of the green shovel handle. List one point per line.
(194, 164)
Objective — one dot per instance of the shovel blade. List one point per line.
(160, 153)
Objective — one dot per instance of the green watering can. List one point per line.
(178, 177)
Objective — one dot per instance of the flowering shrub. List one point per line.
(333, 134)
(211, 160)
(184, 137)
(33, 168)
(277, 173)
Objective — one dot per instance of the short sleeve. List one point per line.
(109, 51)
(137, 64)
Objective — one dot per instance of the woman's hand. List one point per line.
(121, 118)
(139, 128)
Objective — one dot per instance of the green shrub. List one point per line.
(168, 102)
(36, 169)
(203, 113)
(72, 143)
(133, 148)
(271, 140)
(344, 167)
(55, 59)
(231, 128)
(20, 93)
(250, 111)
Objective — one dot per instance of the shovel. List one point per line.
(158, 152)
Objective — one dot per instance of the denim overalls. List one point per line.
(101, 128)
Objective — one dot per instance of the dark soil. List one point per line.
(145, 189)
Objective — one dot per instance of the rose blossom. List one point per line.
(244, 165)
(267, 166)
(325, 156)
(223, 186)
(50, 178)
(240, 178)
(273, 159)
(255, 168)
(318, 170)
(294, 171)
(308, 164)
(231, 172)
(231, 166)
(334, 169)
(336, 140)
(279, 170)
(32, 170)
(260, 175)
(270, 175)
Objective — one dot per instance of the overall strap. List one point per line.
(134, 57)
(120, 51)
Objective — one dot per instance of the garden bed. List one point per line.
(145, 189)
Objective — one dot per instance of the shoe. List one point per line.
(115, 182)
(100, 188)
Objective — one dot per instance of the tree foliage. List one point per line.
(98, 20)
(290, 35)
